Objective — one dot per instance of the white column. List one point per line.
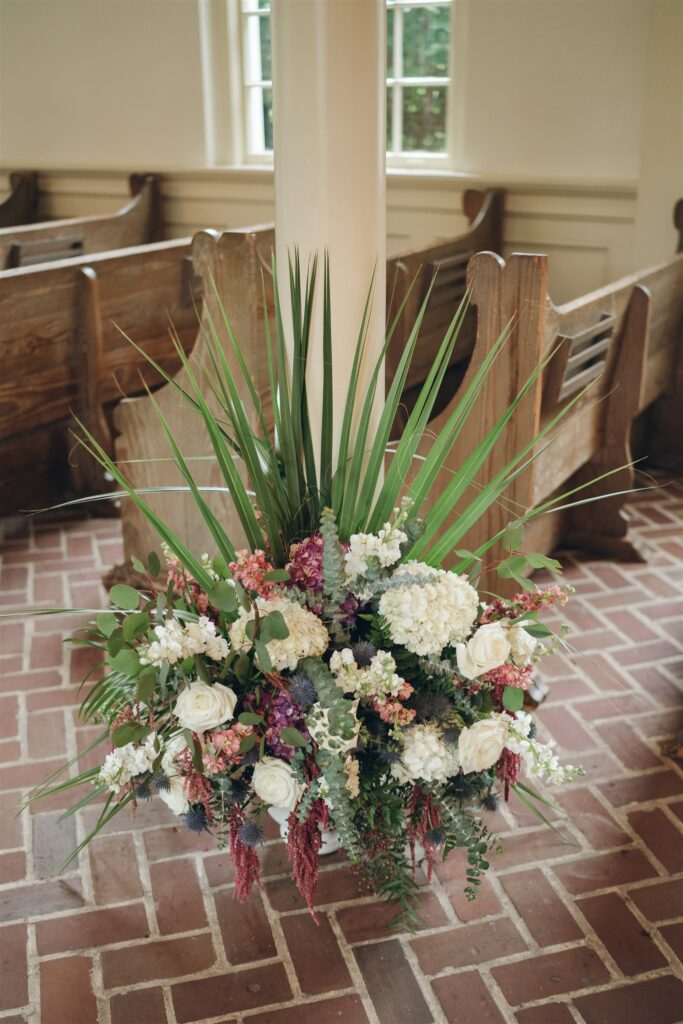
(329, 91)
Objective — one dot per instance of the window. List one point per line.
(418, 79)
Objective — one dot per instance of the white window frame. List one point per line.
(245, 13)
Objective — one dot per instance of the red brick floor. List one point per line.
(144, 929)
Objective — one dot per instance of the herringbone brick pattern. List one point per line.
(586, 926)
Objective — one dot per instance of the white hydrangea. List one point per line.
(373, 551)
(307, 635)
(175, 642)
(378, 679)
(538, 759)
(433, 609)
(426, 756)
(123, 763)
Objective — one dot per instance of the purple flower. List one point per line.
(306, 566)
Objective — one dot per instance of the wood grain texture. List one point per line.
(136, 223)
(59, 325)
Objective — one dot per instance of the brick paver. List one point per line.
(586, 927)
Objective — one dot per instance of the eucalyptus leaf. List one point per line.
(513, 698)
(124, 597)
(222, 596)
(129, 732)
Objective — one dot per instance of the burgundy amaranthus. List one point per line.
(508, 770)
(304, 840)
(245, 858)
(424, 818)
(198, 788)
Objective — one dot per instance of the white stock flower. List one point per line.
(426, 756)
(175, 746)
(538, 759)
(123, 763)
(433, 609)
(275, 784)
(175, 642)
(378, 679)
(373, 551)
(488, 649)
(307, 635)
(522, 644)
(480, 745)
(201, 707)
(175, 795)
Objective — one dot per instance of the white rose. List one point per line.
(488, 648)
(200, 706)
(481, 744)
(522, 644)
(274, 783)
(175, 796)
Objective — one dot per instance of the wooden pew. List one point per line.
(443, 267)
(136, 223)
(21, 204)
(235, 260)
(625, 339)
(62, 352)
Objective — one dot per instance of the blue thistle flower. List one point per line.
(302, 690)
(363, 653)
(490, 801)
(142, 789)
(235, 791)
(160, 782)
(436, 836)
(195, 818)
(451, 734)
(389, 755)
(250, 833)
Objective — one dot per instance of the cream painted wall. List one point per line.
(101, 83)
(553, 87)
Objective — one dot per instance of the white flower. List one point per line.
(480, 745)
(307, 635)
(175, 642)
(433, 609)
(488, 649)
(274, 783)
(522, 644)
(175, 746)
(426, 756)
(373, 552)
(123, 763)
(538, 759)
(378, 679)
(200, 706)
(175, 795)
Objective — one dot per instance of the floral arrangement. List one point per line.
(333, 672)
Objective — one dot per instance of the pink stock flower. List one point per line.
(250, 569)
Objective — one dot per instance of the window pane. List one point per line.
(424, 119)
(390, 43)
(266, 67)
(390, 114)
(426, 34)
(267, 107)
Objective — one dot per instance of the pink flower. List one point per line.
(250, 569)
(223, 748)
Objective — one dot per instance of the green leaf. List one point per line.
(107, 623)
(129, 732)
(537, 629)
(115, 642)
(153, 564)
(274, 627)
(513, 698)
(513, 538)
(263, 656)
(127, 662)
(223, 597)
(137, 564)
(220, 566)
(146, 686)
(250, 718)
(277, 576)
(292, 737)
(134, 625)
(124, 597)
(247, 742)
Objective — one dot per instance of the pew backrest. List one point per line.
(136, 223)
(63, 351)
(22, 202)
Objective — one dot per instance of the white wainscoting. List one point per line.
(586, 227)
